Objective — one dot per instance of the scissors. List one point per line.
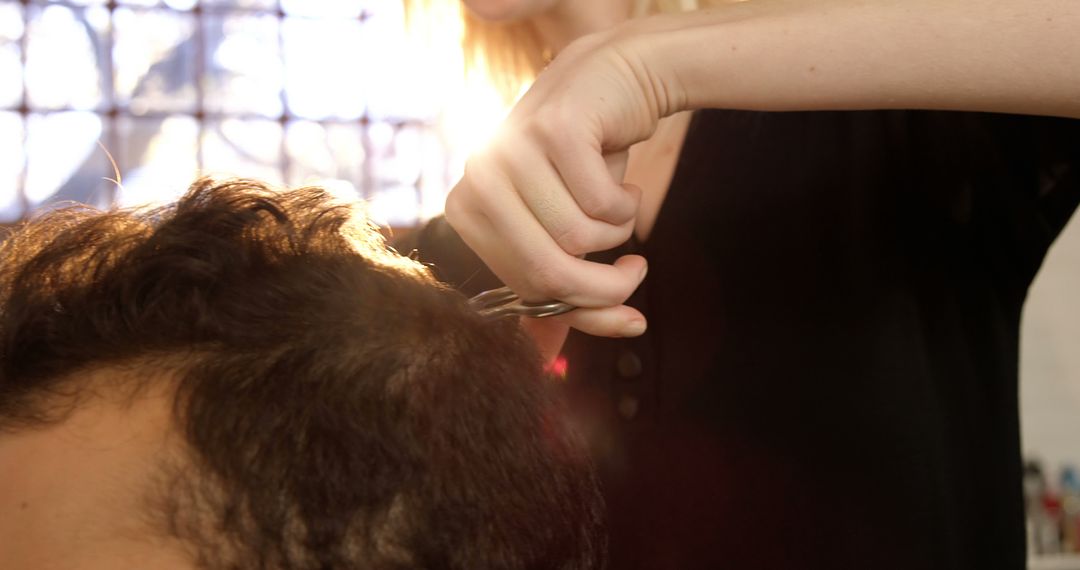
(502, 302)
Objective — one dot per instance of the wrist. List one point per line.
(652, 72)
(667, 50)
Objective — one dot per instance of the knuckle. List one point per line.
(634, 194)
(547, 279)
(574, 241)
(547, 209)
(620, 235)
(579, 240)
(453, 208)
(462, 205)
(545, 127)
(600, 205)
(478, 170)
(557, 122)
(473, 193)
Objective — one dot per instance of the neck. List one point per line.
(569, 20)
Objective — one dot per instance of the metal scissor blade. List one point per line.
(503, 302)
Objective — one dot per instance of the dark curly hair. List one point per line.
(341, 409)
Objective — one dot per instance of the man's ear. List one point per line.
(548, 334)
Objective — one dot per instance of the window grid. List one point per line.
(111, 110)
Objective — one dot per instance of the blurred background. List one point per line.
(290, 91)
(333, 92)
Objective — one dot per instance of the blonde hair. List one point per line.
(508, 54)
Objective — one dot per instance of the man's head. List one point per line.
(250, 379)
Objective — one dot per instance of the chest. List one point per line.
(651, 167)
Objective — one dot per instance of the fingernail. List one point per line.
(644, 272)
(635, 327)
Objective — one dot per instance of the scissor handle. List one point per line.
(503, 302)
(544, 309)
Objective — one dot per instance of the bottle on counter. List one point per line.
(1043, 509)
(1070, 509)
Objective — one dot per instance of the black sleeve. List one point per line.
(438, 246)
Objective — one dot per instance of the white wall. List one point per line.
(1050, 357)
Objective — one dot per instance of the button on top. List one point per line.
(628, 407)
(628, 365)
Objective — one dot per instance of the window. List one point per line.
(291, 91)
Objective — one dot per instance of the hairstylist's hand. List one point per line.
(549, 188)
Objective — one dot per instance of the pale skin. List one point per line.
(584, 159)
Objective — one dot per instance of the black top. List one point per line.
(829, 378)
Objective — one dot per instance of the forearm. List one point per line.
(978, 55)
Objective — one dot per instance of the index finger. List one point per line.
(516, 247)
(589, 176)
